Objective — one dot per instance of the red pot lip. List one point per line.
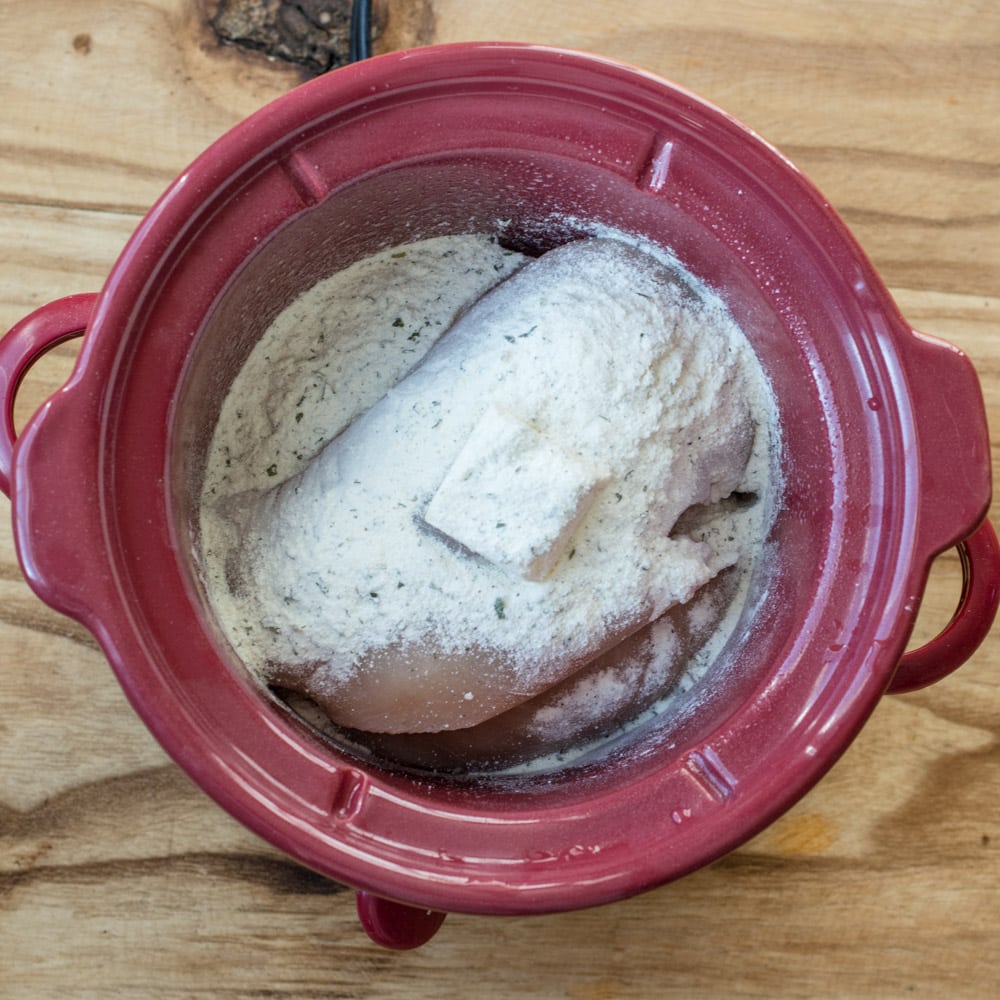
(597, 863)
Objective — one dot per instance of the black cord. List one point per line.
(361, 30)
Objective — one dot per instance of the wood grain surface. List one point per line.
(119, 878)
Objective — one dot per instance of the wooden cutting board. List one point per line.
(119, 878)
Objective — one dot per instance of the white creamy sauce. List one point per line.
(426, 538)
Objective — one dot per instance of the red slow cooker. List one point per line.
(885, 459)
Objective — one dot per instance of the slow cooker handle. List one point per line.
(969, 626)
(21, 347)
(953, 455)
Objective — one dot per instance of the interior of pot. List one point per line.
(533, 201)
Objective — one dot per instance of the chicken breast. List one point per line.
(504, 515)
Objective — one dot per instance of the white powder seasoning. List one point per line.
(336, 350)
(422, 532)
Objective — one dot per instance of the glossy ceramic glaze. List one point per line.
(534, 143)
